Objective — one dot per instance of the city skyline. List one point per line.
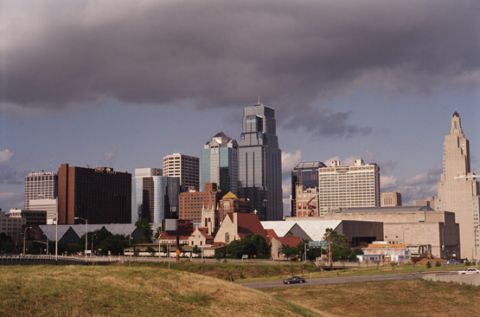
(332, 98)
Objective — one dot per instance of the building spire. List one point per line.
(456, 127)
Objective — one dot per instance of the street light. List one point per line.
(86, 232)
(24, 238)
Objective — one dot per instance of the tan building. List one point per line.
(391, 199)
(277, 243)
(230, 203)
(237, 226)
(306, 201)
(183, 166)
(12, 226)
(411, 225)
(458, 190)
(192, 203)
(348, 186)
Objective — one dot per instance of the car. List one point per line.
(470, 270)
(294, 280)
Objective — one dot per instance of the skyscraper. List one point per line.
(348, 186)
(458, 190)
(304, 174)
(260, 164)
(100, 195)
(39, 185)
(183, 166)
(220, 163)
(155, 197)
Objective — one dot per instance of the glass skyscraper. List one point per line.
(260, 164)
(220, 163)
(154, 197)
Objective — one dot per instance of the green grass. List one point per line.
(395, 298)
(129, 291)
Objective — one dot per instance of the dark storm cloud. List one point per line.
(225, 53)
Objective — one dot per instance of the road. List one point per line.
(338, 280)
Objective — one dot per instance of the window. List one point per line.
(227, 237)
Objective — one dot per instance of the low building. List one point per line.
(200, 238)
(32, 217)
(410, 225)
(388, 252)
(49, 205)
(359, 233)
(277, 243)
(12, 227)
(237, 226)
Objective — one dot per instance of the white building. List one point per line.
(348, 186)
(184, 167)
(39, 185)
(458, 190)
(49, 205)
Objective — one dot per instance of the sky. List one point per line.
(123, 83)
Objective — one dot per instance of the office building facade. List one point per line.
(391, 199)
(100, 195)
(192, 203)
(49, 205)
(304, 174)
(260, 164)
(185, 167)
(220, 163)
(458, 190)
(39, 185)
(348, 186)
(155, 197)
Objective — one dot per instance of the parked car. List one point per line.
(470, 270)
(294, 280)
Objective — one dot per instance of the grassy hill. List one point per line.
(129, 291)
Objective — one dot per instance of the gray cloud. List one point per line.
(224, 53)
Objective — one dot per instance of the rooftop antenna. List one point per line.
(258, 100)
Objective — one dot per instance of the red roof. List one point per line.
(249, 224)
(290, 241)
(204, 232)
(271, 234)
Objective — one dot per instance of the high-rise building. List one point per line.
(348, 186)
(192, 203)
(220, 163)
(184, 167)
(391, 199)
(260, 164)
(458, 190)
(154, 197)
(100, 195)
(39, 185)
(304, 174)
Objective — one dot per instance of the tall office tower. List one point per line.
(100, 195)
(458, 190)
(391, 199)
(220, 163)
(348, 186)
(304, 174)
(39, 185)
(184, 167)
(193, 203)
(260, 163)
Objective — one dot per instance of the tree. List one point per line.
(340, 247)
(251, 245)
(145, 228)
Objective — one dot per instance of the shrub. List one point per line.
(428, 265)
(438, 264)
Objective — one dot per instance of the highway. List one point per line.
(338, 280)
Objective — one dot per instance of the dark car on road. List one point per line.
(294, 280)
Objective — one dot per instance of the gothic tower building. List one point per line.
(458, 190)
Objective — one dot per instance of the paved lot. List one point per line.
(338, 280)
(454, 277)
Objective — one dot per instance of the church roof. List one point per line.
(230, 195)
